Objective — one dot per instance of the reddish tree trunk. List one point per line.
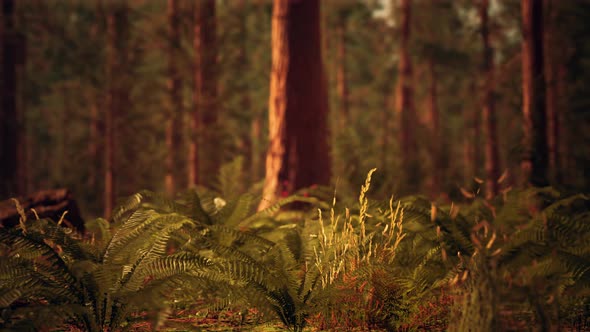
(9, 131)
(405, 103)
(534, 162)
(553, 124)
(205, 127)
(435, 136)
(341, 79)
(489, 113)
(173, 125)
(117, 95)
(247, 139)
(298, 154)
(471, 152)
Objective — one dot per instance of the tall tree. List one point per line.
(341, 79)
(117, 94)
(489, 113)
(298, 155)
(405, 102)
(551, 56)
(204, 123)
(535, 161)
(435, 131)
(174, 124)
(9, 120)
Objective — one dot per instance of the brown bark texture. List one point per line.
(9, 124)
(551, 49)
(117, 95)
(247, 139)
(341, 79)
(204, 127)
(174, 123)
(535, 159)
(436, 148)
(298, 155)
(405, 103)
(47, 204)
(492, 167)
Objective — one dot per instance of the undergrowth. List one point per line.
(405, 264)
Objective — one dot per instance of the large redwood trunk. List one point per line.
(174, 124)
(534, 161)
(9, 131)
(492, 167)
(298, 154)
(405, 103)
(117, 95)
(204, 155)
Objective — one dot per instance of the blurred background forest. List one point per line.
(100, 96)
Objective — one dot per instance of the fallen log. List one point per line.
(52, 203)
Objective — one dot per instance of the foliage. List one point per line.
(402, 264)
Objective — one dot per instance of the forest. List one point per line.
(301, 165)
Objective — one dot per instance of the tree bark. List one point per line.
(9, 121)
(205, 127)
(492, 166)
(117, 95)
(298, 155)
(535, 160)
(552, 97)
(341, 79)
(174, 124)
(471, 152)
(405, 103)
(277, 102)
(245, 105)
(435, 136)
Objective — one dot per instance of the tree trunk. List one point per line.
(277, 102)
(471, 152)
(247, 139)
(341, 79)
(551, 48)
(489, 113)
(298, 154)
(435, 136)
(174, 124)
(117, 95)
(405, 104)
(534, 162)
(205, 128)
(9, 124)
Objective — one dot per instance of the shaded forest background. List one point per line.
(106, 93)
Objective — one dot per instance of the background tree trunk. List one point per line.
(341, 79)
(405, 103)
(298, 155)
(551, 48)
(534, 162)
(205, 131)
(492, 167)
(435, 136)
(173, 125)
(117, 96)
(9, 120)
